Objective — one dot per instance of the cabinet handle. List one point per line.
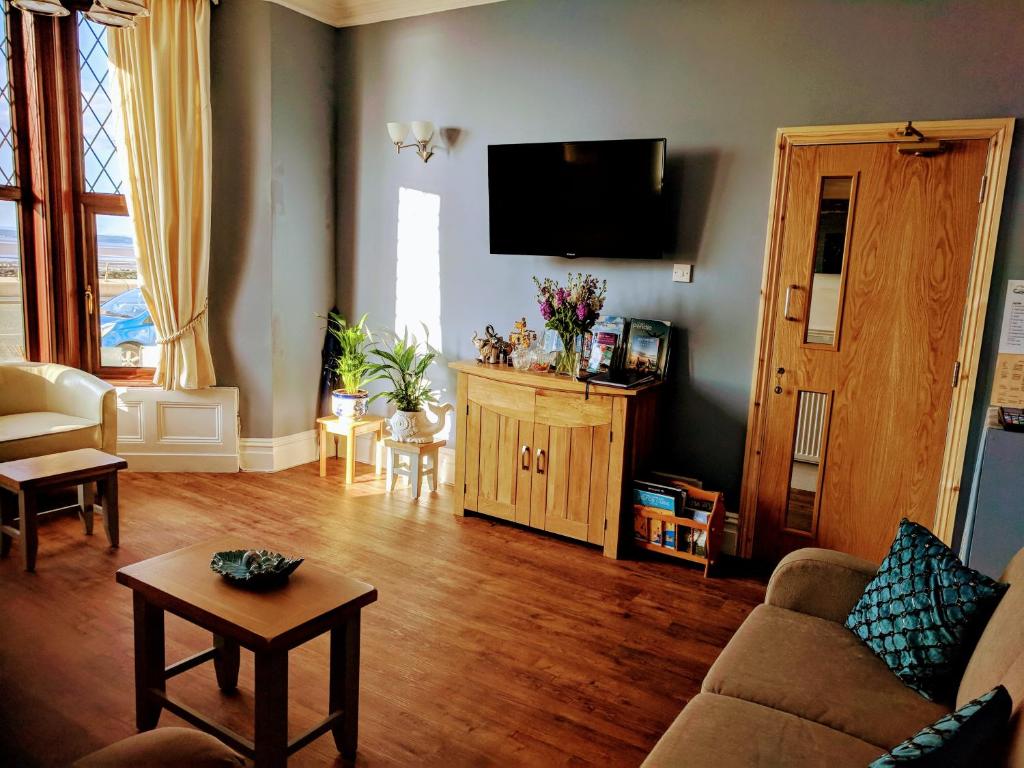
(540, 461)
(525, 453)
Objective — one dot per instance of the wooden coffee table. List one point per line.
(22, 480)
(315, 600)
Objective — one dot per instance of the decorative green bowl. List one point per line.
(254, 568)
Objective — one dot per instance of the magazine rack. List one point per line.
(686, 530)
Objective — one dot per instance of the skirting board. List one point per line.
(273, 454)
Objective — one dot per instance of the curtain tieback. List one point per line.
(196, 318)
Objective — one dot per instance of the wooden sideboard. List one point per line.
(541, 450)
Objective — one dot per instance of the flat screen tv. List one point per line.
(579, 199)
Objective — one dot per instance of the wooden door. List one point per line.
(499, 433)
(572, 454)
(876, 257)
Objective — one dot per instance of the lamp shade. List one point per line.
(108, 18)
(423, 130)
(126, 7)
(398, 132)
(42, 7)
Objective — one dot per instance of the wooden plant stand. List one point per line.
(334, 428)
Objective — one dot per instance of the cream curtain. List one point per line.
(162, 71)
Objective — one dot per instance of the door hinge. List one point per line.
(467, 409)
(611, 436)
(606, 524)
(984, 188)
(465, 487)
(956, 374)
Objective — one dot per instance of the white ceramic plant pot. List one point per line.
(406, 426)
(349, 405)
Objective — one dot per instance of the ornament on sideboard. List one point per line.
(521, 337)
(492, 348)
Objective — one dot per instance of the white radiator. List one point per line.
(809, 426)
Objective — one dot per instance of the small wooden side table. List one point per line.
(336, 427)
(22, 480)
(421, 462)
(312, 602)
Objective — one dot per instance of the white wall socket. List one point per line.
(682, 273)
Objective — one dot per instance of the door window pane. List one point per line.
(12, 307)
(829, 255)
(127, 335)
(805, 469)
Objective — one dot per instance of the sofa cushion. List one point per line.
(961, 739)
(723, 732)
(818, 670)
(923, 612)
(23, 435)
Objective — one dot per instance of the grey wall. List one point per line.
(240, 237)
(303, 53)
(273, 244)
(715, 78)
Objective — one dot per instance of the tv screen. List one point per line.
(577, 199)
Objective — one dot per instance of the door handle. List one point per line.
(778, 379)
(789, 298)
(540, 461)
(525, 460)
(88, 300)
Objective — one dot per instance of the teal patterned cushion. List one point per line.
(923, 612)
(963, 738)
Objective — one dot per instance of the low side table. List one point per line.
(271, 623)
(22, 480)
(335, 427)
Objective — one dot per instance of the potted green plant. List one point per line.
(403, 362)
(351, 365)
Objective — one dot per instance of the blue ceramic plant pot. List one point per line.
(349, 406)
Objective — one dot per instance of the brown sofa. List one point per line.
(795, 688)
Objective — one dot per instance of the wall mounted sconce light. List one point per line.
(422, 131)
(110, 13)
(42, 7)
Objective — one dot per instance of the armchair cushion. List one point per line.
(34, 434)
(819, 582)
(164, 748)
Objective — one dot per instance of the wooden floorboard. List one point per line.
(489, 645)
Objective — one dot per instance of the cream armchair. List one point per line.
(48, 408)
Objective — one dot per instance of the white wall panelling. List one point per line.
(176, 431)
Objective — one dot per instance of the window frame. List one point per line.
(59, 259)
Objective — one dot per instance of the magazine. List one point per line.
(607, 337)
(648, 346)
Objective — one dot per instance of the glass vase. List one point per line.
(568, 363)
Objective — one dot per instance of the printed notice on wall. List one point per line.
(1008, 387)
(1011, 340)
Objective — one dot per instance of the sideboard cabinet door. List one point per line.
(572, 451)
(499, 449)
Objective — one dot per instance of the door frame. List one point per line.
(999, 133)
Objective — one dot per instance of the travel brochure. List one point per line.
(627, 352)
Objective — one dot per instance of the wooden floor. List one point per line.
(490, 644)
